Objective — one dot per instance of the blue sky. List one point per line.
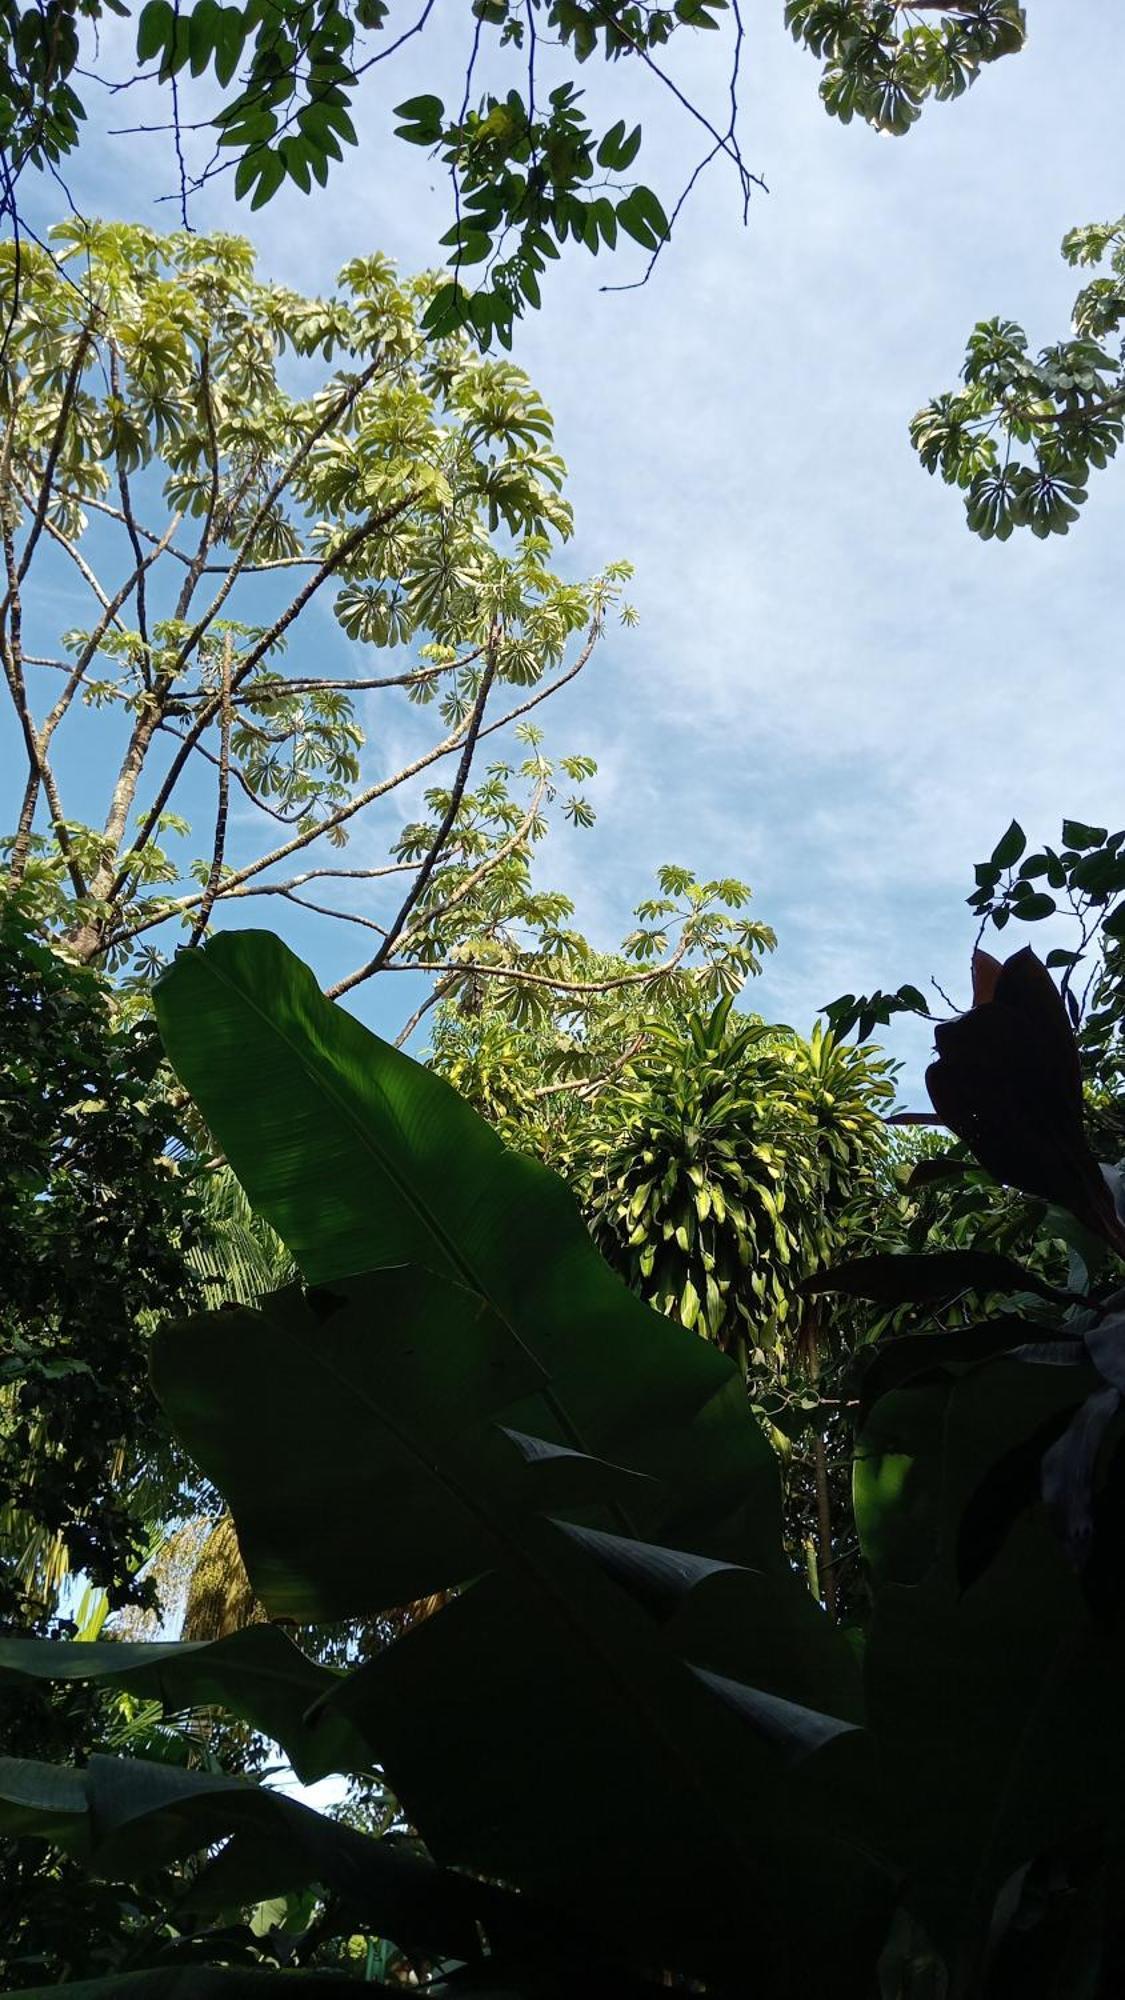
(834, 691)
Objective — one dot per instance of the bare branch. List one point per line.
(367, 797)
(109, 616)
(207, 532)
(222, 807)
(76, 556)
(284, 479)
(133, 534)
(70, 390)
(181, 555)
(321, 909)
(207, 714)
(433, 854)
(477, 875)
(519, 975)
(39, 774)
(439, 992)
(231, 888)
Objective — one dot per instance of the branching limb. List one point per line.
(77, 558)
(77, 673)
(222, 807)
(439, 992)
(433, 854)
(595, 1084)
(58, 439)
(207, 714)
(39, 776)
(477, 875)
(283, 481)
(518, 975)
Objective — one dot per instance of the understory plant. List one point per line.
(628, 1750)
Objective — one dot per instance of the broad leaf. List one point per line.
(897, 1279)
(362, 1159)
(258, 1675)
(127, 1817)
(405, 1417)
(556, 1741)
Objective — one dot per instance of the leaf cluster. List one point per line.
(882, 61)
(1022, 436)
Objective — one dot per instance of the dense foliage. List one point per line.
(96, 1230)
(630, 1710)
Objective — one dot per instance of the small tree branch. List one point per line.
(133, 534)
(417, 887)
(520, 975)
(439, 992)
(207, 532)
(207, 714)
(58, 438)
(40, 775)
(477, 875)
(590, 1088)
(283, 480)
(222, 807)
(77, 558)
(89, 650)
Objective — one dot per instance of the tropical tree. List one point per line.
(156, 448)
(276, 87)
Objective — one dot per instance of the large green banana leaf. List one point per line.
(258, 1675)
(560, 1744)
(375, 1441)
(127, 1818)
(362, 1159)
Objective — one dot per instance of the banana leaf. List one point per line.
(258, 1675)
(127, 1818)
(361, 1159)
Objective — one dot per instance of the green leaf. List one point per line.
(642, 218)
(258, 1674)
(128, 1817)
(230, 40)
(588, 1681)
(155, 28)
(1009, 847)
(270, 172)
(897, 1279)
(394, 1397)
(424, 118)
(1076, 833)
(989, 1704)
(361, 1160)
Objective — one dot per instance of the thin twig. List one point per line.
(394, 933)
(222, 808)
